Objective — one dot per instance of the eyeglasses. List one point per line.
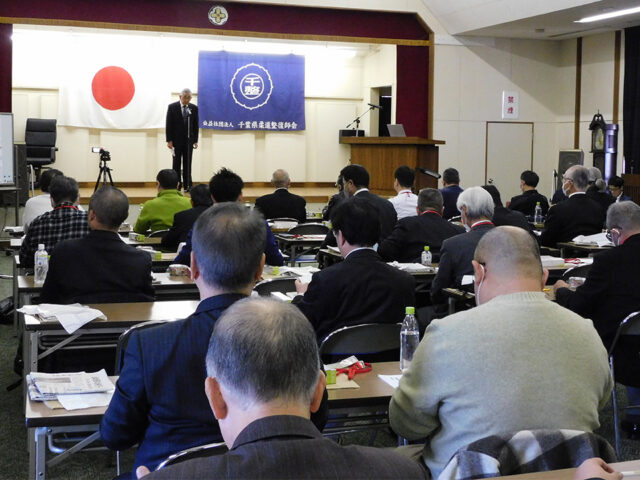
(610, 232)
(567, 179)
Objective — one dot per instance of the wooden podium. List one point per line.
(382, 155)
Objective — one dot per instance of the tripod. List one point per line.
(104, 173)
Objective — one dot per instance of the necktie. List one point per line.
(184, 113)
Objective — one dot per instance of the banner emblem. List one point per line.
(251, 86)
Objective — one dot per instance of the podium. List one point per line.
(382, 155)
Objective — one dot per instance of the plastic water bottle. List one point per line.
(41, 264)
(426, 257)
(409, 338)
(537, 213)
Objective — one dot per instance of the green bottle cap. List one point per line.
(409, 310)
(426, 248)
(537, 203)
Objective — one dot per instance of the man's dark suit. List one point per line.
(388, 215)
(360, 289)
(450, 196)
(282, 203)
(456, 254)
(182, 222)
(526, 202)
(578, 215)
(604, 199)
(610, 292)
(159, 400)
(410, 235)
(290, 447)
(505, 216)
(183, 133)
(98, 268)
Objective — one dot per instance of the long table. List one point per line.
(373, 395)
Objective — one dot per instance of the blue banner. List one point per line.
(238, 91)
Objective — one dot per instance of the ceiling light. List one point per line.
(604, 16)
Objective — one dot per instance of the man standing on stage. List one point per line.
(182, 135)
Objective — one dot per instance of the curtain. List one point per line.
(631, 104)
(6, 49)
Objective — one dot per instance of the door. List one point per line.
(509, 152)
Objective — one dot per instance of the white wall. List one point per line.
(469, 80)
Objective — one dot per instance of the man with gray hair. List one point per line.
(610, 291)
(578, 215)
(411, 234)
(99, 268)
(476, 208)
(282, 203)
(515, 362)
(182, 135)
(263, 411)
(158, 402)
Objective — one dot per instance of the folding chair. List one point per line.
(282, 285)
(194, 452)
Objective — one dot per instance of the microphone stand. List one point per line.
(357, 121)
(189, 148)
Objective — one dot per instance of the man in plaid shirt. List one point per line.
(64, 222)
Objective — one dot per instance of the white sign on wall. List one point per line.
(510, 102)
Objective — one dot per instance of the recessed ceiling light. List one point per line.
(604, 16)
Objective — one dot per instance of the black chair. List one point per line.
(282, 219)
(157, 233)
(309, 229)
(194, 452)
(579, 271)
(624, 350)
(124, 338)
(40, 139)
(281, 284)
(370, 342)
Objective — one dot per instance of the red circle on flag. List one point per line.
(113, 88)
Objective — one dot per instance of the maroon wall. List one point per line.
(412, 98)
(6, 49)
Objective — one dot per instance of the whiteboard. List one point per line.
(7, 174)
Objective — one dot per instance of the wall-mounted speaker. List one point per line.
(567, 159)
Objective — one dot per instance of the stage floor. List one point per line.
(139, 195)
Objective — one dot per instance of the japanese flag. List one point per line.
(113, 92)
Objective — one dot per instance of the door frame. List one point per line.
(486, 143)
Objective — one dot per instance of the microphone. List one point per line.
(188, 111)
(426, 171)
(374, 106)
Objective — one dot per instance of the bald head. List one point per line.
(511, 253)
(280, 179)
(579, 177)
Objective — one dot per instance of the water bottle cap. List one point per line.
(409, 310)
(426, 248)
(537, 203)
(41, 246)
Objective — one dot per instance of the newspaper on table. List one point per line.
(599, 239)
(71, 317)
(413, 267)
(70, 383)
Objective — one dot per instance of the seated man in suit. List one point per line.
(158, 402)
(411, 234)
(334, 201)
(406, 201)
(226, 186)
(597, 188)
(360, 289)
(515, 362)
(450, 191)
(264, 415)
(157, 213)
(578, 215)
(503, 215)
(610, 291)
(99, 268)
(39, 204)
(476, 206)
(526, 203)
(64, 222)
(616, 187)
(183, 221)
(282, 203)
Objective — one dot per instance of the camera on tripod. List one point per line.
(105, 172)
(105, 156)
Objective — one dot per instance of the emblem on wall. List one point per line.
(218, 15)
(251, 86)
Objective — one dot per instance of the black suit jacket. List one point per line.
(99, 268)
(176, 128)
(388, 215)
(182, 222)
(360, 289)
(282, 203)
(526, 202)
(410, 235)
(504, 216)
(610, 292)
(450, 196)
(289, 447)
(456, 254)
(578, 215)
(603, 199)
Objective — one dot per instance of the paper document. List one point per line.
(599, 239)
(346, 363)
(72, 382)
(392, 380)
(71, 317)
(467, 280)
(85, 400)
(413, 267)
(549, 261)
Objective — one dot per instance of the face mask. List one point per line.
(477, 289)
(467, 227)
(565, 191)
